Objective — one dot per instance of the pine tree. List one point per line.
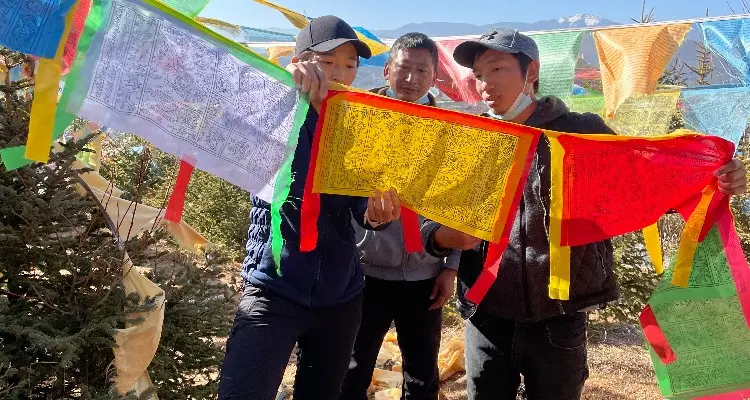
(60, 270)
(705, 67)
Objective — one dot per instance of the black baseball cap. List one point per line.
(326, 33)
(504, 40)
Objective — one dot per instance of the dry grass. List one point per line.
(620, 367)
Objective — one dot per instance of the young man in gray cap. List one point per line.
(316, 300)
(517, 329)
(408, 289)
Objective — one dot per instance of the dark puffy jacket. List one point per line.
(520, 292)
(329, 275)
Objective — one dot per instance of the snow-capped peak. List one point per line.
(580, 20)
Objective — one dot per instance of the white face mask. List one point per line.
(522, 102)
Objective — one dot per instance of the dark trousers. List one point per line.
(418, 329)
(551, 355)
(262, 339)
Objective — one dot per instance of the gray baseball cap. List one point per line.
(504, 40)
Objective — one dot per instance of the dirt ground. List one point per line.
(620, 367)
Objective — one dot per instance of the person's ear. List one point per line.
(533, 72)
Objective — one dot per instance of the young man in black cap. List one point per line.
(316, 301)
(408, 289)
(517, 329)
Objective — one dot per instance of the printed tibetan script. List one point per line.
(451, 173)
(159, 79)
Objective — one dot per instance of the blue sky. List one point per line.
(391, 14)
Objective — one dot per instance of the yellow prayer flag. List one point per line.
(632, 59)
(298, 20)
(45, 99)
(646, 114)
(276, 52)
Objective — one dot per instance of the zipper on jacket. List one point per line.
(316, 281)
(524, 274)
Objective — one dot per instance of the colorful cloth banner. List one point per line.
(33, 27)
(728, 39)
(558, 54)
(717, 110)
(590, 103)
(300, 21)
(460, 170)
(646, 114)
(608, 185)
(13, 157)
(190, 92)
(705, 324)
(456, 81)
(631, 66)
(43, 107)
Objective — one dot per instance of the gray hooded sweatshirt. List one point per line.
(383, 253)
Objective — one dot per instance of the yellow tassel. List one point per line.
(689, 238)
(559, 256)
(653, 247)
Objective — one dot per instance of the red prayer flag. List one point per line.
(456, 81)
(606, 185)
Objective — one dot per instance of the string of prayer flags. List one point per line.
(728, 39)
(646, 114)
(190, 92)
(629, 66)
(455, 81)
(558, 54)
(34, 27)
(13, 157)
(463, 171)
(717, 110)
(45, 99)
(608, 185)
(704, 325)
(176, 203)
(244, 34)
(76, 30)
(298, 20)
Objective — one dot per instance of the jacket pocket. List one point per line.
(567, 332)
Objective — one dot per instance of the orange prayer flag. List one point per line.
(632, 59)
(605, 185)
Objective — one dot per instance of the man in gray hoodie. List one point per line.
(409, 289)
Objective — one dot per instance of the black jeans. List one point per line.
(265, 330)
(418, 329)
(551, 355)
